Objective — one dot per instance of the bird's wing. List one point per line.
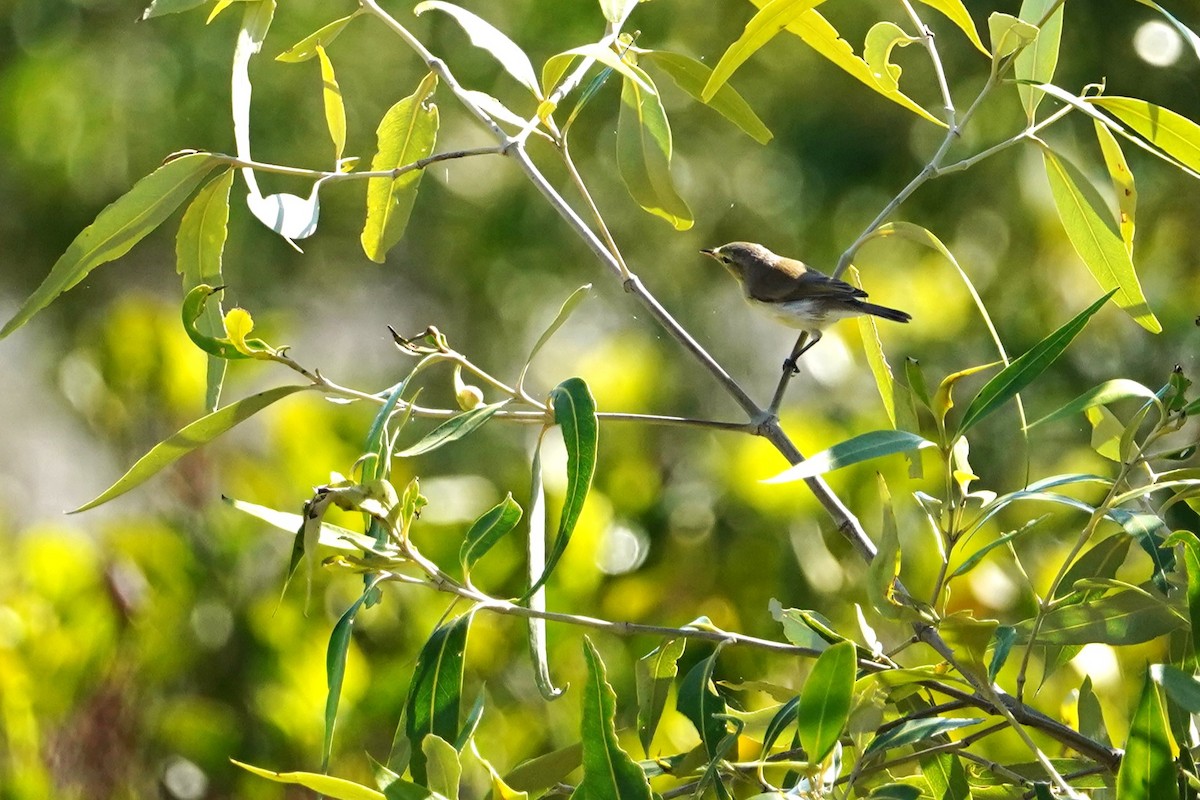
(780, 288)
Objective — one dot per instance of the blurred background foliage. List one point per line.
(146, 643)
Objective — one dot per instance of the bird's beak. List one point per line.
(712, 253)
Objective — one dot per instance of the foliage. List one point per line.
(944, 700)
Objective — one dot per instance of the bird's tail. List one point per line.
(895, 315)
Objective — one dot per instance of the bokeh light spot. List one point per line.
(1157, 43)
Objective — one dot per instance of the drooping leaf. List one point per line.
(1122, 183)
(306, 48)
(487, 37)
(825, 700)
(492, 526)
(1125, 617)
(435, 694)
(198, 433)
(882, 39)
(772, 17)
(1191, 560)
(655, 672)
(644, 153)
(443, 768)
(885, 565)
(608, 771)
(335, 668)
(406, 134)
(1147, 768)
(1038, 61)
(564, 313)
(691, 76)
(957, 13)
(699, 701)
(915, 730)
(1098, 245)
(1173, 133)
(536, 597)
(335, 108)
(452, 430)
(1025, 369)
(1091, 716)
(863, 447)
(1006, 637)
(117, 229)
(327, 785)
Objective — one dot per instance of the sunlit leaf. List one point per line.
(564, 313)
(882, 39)
(487, 37)
(957, 13)
(452, 430)
(655, 672)
(1182, 687)
(973, 560)
(335, 669)
(1038, 61)
(884, 570)
(1122, 182)
(306, 48)
(335, 108)
(536, 552)
(1191, 560)
(1098, 245)
(616, 11)
(1102, 395)
(545, 771)
(860, 448)
(608, 771)
(492, 526)
(159, 8)
(1150, 532)
(117, 229)
(699, 701)
(1025, 369)
(644, 154)
(435, 694)
(337, 788)
(825, 700)
(557, 65)
(331, 535)
(406, 134)
(1008, 35)
(1101, 561)
(1147, 768)
(1126, 617)
(1175, 134)
(946, 777)
(770, 20)
(968, 638)
(443, 768)
(915, 730)
(691, 76)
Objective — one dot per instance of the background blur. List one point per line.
(145, 643)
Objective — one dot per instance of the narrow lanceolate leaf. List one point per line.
(655, 673)
(335, 109)
(1102, 395)
(946, 776)
(915, 730)
(160, 8)
(117, 229)
(327, 785)
(1127, 617)
(1147, 768)
(825, 701)
(762, 28)
(644, 154)
(536, 553)
(885, 564)
(1150, 532)
(452, 429)
(1182, 688)
(443, 767)
(1091, 715)
(200, 432)
(495, 523)
(435, 694)
(1174, 134)
(816, 31)
(306, 48)
(692, 75)
(1092, 236)
(699, 702)
(199, 246)
(564, 313)
(1191, 559)
(860, 448)
(608, 771)
(487, 37)
(957, 13)
(1023, 370)
(406, 134)
(1122, 182)
(557, 65)
(1038, 61)
(335, 669)
(575, 414)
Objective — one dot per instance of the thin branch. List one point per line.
(335, 177)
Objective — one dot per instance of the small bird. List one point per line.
(795, 293)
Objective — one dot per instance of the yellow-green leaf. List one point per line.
(1174, 134)
(957, 13)
(406, 134)
(764, 26)
(825, 701)
(1038, 61)
(644, 153)
(1122, 181)
(487, 37)
(335, 109)
(338, 788)
(691, 76)
(882, 39)
(306, 48)
(557, 65)
(608, 771)
(1095, 241)
(617, 10)
(1148, 766)
(1009, 35)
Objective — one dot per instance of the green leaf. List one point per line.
(198, 433)
(557, 65)
(335, 668)
(159, 8)
(1150, 532)
(1126, 617)
(1038, 61)
(337, 788)
(1006, 637)
(452, 430)
(1008, 35)
(969, 639)
(1091, 716)
(915, 730)
(608, 771)
(860, 448)
(895, 791)
(943, 398)
(1122, 182)
(406, 134)
(117, 229)
(615, 11)
(1102, 395)
(957, 13)
(644, 153)
(332, 536)
(1191, 560)
(1101, 561)
(575, 414)
(946, 776)
(825, 701)
(487, 37)
(306, 48)
(1025, 369)
(691, 76)
(1182, 687)
(784, 718)
(199, 246)
(435, 694)
(885, 565)
(770, 20)
(1098, 245)
(443, 768)
(699, 701)
(882, 39)
(492, 526)
(1147, 768)
(536, 546)
(973, 560)
(564, 313)
(1174, 134)
(655, 672)
(544, 771)
(335, 109)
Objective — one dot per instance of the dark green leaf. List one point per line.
(1127, 617)
(915, 730)
(895, 791)
(471, 723)
(691, 75)
(860, 448)
(655, 672)
(699, 702)
(825, 700)
(452, 430)
(1182, 687)
(435, 694)
(1102, 395)
(1147, 768)
(538, 774)
(492, 526)
(608, 771)
(784, 717)
(1191, 559)
(200, 432)
(1091, 716)
(117, 229)
(335, 669)
(1021, 372)
(1150, 532)
(1004, 639)
(973, 560)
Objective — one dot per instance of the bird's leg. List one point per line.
(802, 346)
